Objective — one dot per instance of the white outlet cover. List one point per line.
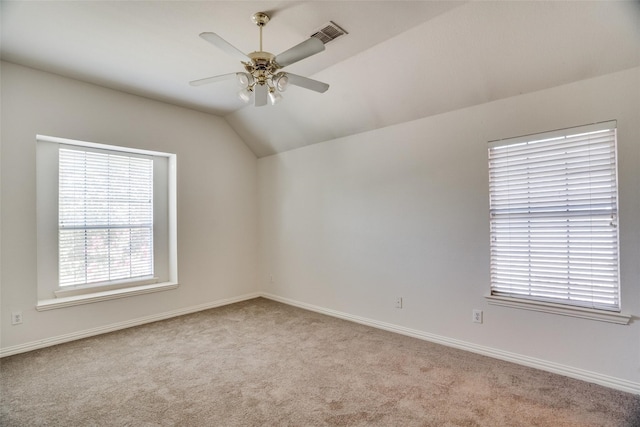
(16, 317)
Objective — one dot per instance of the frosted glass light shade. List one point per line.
(244, 95)
(274, 97)
(244, 79)
(281, 82)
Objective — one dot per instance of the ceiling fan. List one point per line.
(263, 77)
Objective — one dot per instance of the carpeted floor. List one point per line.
(262, 363)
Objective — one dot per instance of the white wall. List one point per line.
(350, 224)
(217, 199)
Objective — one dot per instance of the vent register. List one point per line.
(328, 32)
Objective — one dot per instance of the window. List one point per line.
(554, 217)
(106, 221)
(105, 217)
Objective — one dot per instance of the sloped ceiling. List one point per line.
(401, 60)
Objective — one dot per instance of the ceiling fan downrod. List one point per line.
(262, 67)
(260, 19)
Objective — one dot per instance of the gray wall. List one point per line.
(348, 225)
(217, 200)
(344, 226)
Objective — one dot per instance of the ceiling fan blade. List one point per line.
(307, 83)
(261, 92)
(221, 43)
(303, 50)
(214, 79)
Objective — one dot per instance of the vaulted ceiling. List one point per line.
(402, 60)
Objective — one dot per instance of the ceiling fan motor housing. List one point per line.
(262, 66)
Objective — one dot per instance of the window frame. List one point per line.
(50, 293)
(546, 304)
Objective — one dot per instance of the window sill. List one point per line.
(583, 313)
(73, 291)
(52, 304)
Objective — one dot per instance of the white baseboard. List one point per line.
(47, 342)
(580, 374)
(532, 362)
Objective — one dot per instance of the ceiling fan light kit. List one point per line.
(263, 77)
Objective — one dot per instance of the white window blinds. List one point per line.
(105, 216)
(553, 208)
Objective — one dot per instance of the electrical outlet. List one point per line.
(477, 316)
(16, 317)
(399, 302)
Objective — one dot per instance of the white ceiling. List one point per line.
(401, 60)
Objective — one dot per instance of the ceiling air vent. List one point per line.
(328, 32)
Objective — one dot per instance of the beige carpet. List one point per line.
(261, 363)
